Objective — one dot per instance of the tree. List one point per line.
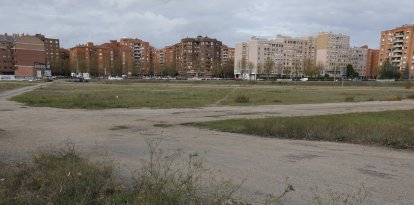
(406, 74)
(310, 69)
(93, 67)
(228, 69)
(250, 67)
(388, 71)
(268, 67)
(350, 71)
(242, 66)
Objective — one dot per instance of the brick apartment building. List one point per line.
(143, 55)
(108, 59)
(197, 57)
(6, 55)
(52, 49)
(29, 52)
(397, 47)
(227, 55)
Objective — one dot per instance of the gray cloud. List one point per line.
(163, 22)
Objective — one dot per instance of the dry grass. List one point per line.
(191, 95)
(392, 128)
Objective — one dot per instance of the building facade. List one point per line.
(108, 59)
(397, 47)
(372, 64)
(198, 57)
(227, 55)
(6, 55)
(287, 54)
(52, 49)
(29, 55)
(332, 52)
(358, 58)
(143, 55)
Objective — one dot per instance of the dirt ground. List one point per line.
(263, 163)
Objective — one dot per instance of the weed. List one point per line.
(242, 99)
(391, 129)
(408, 85)
(394, 98)
(163, 125)
(119, 127)
(349, 99)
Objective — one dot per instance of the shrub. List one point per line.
(408, 85)
(242, 99)
(410, 97)
(349, 99)
(394, 98)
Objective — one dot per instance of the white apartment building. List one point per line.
(332, 52)
(287, 53)
(358, 57)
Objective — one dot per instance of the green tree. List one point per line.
(388, 71)
(350, 71)
(228, 69)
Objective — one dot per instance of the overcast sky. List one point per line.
(164, 22)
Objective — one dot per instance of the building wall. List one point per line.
(397, 46)
(287, 53)
(332, 52)
(6, 55)
(372, 63)
(28, 50)
(358, 58)
(198, 56)
(52, 47)
(143, 55)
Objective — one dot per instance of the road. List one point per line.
(263, 163)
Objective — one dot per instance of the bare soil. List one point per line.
(263, 163)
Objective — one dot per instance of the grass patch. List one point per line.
(394, 98)
(350, 99)
(14, 85)
(163, 125)
(55, 177)
(63, 177)
(242, 99)
(131, 94)
(393, 129)
(119, 127)
(408, 85)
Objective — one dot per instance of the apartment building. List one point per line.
(332, 51)
(288, 55)
(6, 55)
(108, 59)
(372, 67)
(358, 57)
(197, 57)
(29, 57)
(52, 49)
(397, 47)
(143, 55)
(227, 55)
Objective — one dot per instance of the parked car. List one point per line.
(80, 80)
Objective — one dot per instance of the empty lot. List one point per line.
(264, 163)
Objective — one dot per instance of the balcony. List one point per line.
(399, 40)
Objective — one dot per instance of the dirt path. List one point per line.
(264, 163)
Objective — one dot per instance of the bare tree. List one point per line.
(268, 67)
